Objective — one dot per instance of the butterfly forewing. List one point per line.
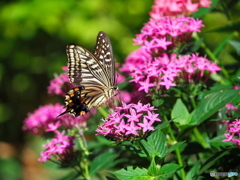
(103, 52)
(94, 74)
(84, 68)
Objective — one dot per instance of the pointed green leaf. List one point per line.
(204, 10)
(168, 170)
(211, 161)
(235, 26)
(163, 125)
(157, 102)
(222, 45)
(211, 103)
(155, 144)
(132, 174)
(236, 46)
(153, 169)
(193, 171)
(180, 113)
(174, 147)
(103, 161)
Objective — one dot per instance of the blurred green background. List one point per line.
(33, 37)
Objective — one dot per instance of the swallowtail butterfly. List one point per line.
(92, 73)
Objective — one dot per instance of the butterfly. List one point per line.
(92, 73)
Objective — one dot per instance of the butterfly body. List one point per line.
(93, 74)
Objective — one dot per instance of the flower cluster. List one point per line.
(129, 122)
(45, 119)
(162, 72)
(166, 33)
(60, 84)
(59, 150)
(154, 65)
(176, 7)
(233, 128)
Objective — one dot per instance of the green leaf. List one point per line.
(203, 10)
(163, 125)
(193, 171)
(210, 104)
(157, 102)
(222, 45)
(236, 46)
(132, 174)
(217, 141)
(211, 161)
(180, 113)
(103, 161)
(235, 26)
(174, 147)
(155, 144)
(191, 47)
(168, 170)
(153, 169)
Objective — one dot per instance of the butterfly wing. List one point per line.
(104, 53)
(84, 68)
(92, 73)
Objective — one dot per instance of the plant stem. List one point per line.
(200, 138)
(178, 153)
(84, 163)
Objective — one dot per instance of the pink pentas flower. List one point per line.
(233, 132)
(59, 85)
(163, 34)
(145, 85)
(129, 122)
(45, 118)
(136, 60)
(146, 125)
(176, 7)
(166, 71)
(59, 149)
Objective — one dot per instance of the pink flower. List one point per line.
(45, 119)
(233, 134)
(59, 149)
(176, 7)
(129, 122)
(165, 33)
(145, 85)
(165, 71)
(59, 85)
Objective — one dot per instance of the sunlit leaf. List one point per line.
(211, 103)
(235, 26)
(155, 145)
(180, 113)
(236, 46)
(132, 174)
(103, 161)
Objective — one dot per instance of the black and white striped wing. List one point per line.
(84, 68)
(93, 74)
(104, 53)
